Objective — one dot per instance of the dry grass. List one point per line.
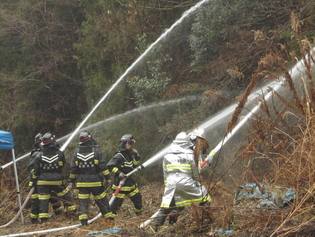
(282, 140)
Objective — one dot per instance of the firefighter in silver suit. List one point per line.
(181, 178)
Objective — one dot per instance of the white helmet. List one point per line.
(198, 132)
(182, 137)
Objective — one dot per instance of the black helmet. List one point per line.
(84, 137)
(38, 138)
(128, 138)
(47, 139)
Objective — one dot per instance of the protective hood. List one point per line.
(181, 148)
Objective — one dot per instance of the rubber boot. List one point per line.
(34, 221)
(84, 222)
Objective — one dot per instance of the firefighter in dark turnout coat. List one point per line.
(33, 183)
(124, 161)
(87, 173)
(48, 167)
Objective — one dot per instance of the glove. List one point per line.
(209, 160)
(32, 183)
(137, 156)
(107, 182)
(70, 186)
(122, 175)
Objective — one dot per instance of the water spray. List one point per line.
(115, 117)
(130, 68)
(153, 159)
(209, 158)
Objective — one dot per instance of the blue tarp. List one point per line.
(6, 140)
(273, 196)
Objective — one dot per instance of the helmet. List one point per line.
(38, 138)
(198, 132)
(127, 138)
(47, 139)
(182, 137)
(84, 137)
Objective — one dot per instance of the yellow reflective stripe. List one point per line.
(134, 192)
(43, 196)
(105, 172)
(125, 188)
(43, 182)
(102, 195)
(91, 184)
(108, 215)
(121, 195)
(64, 192)
(178, 166)
(30, 184)
(34, 176)
(43, 215)
(165, 205)
(73, 176)
(71, 208)
(207, 199)
(83, 217)
(83, 196)
(34, 196)
(58, 209)
(135, 162)
(96, 162)
(114, 170)
(33, 216)
(138, 210)
(76, 163)
(60, 163)
(189, 202)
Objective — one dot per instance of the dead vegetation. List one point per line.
(282, 145)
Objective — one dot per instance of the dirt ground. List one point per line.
(222, 218)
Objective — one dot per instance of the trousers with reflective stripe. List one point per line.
(100, 198)
(58, 192)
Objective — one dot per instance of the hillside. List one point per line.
(216, 58)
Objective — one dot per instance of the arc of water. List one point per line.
(296, 69)
(190, 98)
(192, 9)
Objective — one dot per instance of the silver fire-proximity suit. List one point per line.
(182, 187)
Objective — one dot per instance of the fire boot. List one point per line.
(84, 222)
(173, 218)
(34, 221)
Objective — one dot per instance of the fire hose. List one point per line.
(19, 212)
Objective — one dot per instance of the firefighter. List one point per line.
(48, 167)
(32, 183)
(88, 172)
(124, 161)
(181, 178)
